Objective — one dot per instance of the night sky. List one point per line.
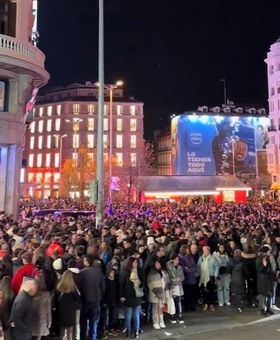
(172, 54)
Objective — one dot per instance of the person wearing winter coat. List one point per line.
(42, 318)
(223, 281)
(208, 270)
(249, 257)
(21, 318)
(264, 281)
(238, 288)
(156, 286)
(131, 295)
(176, 276)
(27, 270)
(67, 299)
(7, 299)
(92, 287)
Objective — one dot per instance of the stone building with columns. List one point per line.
(22, 73)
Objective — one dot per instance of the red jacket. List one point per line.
(55, 247)
(28, 270)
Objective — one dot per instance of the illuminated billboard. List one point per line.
(208, 145)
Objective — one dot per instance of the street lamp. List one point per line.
(76, 127)
(60, 137)
(111, 88)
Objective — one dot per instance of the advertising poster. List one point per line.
(206, 145)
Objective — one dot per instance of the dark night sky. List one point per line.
(170, 53)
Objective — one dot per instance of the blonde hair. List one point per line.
(66, 284)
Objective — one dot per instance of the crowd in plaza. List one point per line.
(146, 264)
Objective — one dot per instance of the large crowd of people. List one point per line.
(61, 278)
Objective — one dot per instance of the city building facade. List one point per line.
(22, 73)
(162, 143)
(273, 74)
(66, 119)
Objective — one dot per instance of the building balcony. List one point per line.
(23, 57)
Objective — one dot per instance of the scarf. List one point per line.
(134, 278)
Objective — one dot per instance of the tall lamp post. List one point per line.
(111, 88)
(99, 205)
(60, 138)
(76, 127)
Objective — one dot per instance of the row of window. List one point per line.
(272, 68)
(76, 141)
(91, 109)
(48, 159)
(76, 126)
(46, 177)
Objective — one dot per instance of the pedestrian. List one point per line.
(209, 271)
(156, 285)
(238, 288)
(67, 299)
(92, 285)
(176, 275)
(21, 319)
(131, 295)
(223, 280)
(42, 318)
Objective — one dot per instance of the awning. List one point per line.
(186, 185)
(275, 186)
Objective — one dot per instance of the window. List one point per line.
(48, 177)
(270, 158)
(119, 141)
(119, 124)
(56, 177)
(3, 96)
(272, 140)
(272, 91)
(133, 159)
(39, 177)
(105, 124)
(76, 109)
(31, 160)
(22, 175)
(278, 88)
(105, 141)
(49, 125)
(90, 141)
(132, 124)
(119, 157)
(56, 160)
(90, 109)
(48, 159)
(90, 124)
(76, 138)
(40, 126)
(274, 179)
(31, 145)
(106, 109)
(41, 111)
(133, 141)
(40, 142)
(271, 69)
(58, 110)
(32, 127)
(39, 160)
(105, 156)
(119, 109)
(49, 110)
(91, 156)
(49, 141)
(30, 177)
(57, 124)
(133, 110)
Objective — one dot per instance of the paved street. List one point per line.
(220, 325)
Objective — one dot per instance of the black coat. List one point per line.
(127, 290)
(92, 284)
(66, 304)
(237, 277)
(22, 317)
(264, 277)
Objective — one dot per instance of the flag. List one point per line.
(115, 184)
(111, 210)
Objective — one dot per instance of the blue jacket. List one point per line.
(212, 266)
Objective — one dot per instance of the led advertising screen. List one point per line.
(206, 145)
